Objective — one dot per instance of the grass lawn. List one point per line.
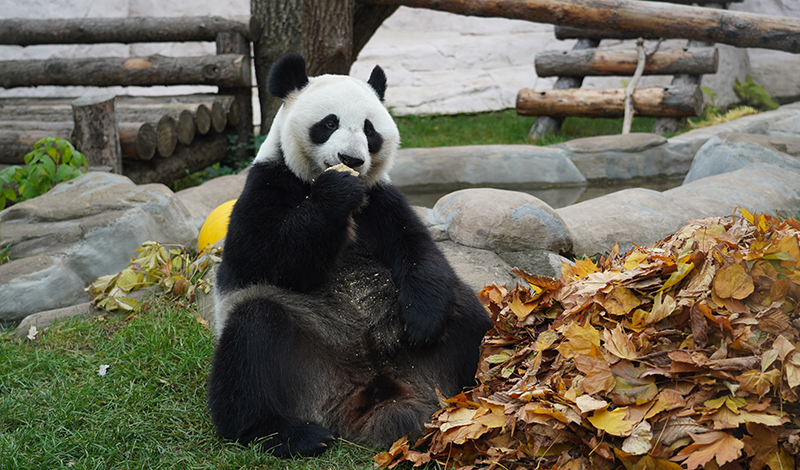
(147, 411)
(501, 127)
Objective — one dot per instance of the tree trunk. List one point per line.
(96, 134)
(329, 34)
(227, 70)
(664, 20)
(592, 62)
(671, 101)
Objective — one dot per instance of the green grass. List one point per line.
(501, 127)
(148, 411)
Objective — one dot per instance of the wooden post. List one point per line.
(96, 134)
(665, 20)
(242, 103)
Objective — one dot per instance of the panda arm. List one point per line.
(397, 238)
(286, 232)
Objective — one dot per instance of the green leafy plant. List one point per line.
(51, 161)
(179, 272)
(753, 94)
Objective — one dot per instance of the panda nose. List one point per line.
(352, 162)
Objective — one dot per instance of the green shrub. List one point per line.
(753, 94)
(51, 161)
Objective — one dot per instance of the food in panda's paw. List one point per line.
(343, 167)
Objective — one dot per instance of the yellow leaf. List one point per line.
(612, 422)
(663, 306)
(733, 282)
(580, 340)
(491, 415)
(678, 275)
(634, 259)
(598, 374)
(620, 301)
(716, 445)
(755, 381)
(521, 309)
(618, 344)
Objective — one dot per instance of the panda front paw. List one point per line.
(342, 187)
(423, 314)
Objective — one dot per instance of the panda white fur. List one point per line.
(336, 312)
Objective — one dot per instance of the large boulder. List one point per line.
(78, 231)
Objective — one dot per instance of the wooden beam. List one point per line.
(657, 101)
(596, 62)
(226, 70)
(664, 20)
(25, 32)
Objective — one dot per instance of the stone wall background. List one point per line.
(437, 63)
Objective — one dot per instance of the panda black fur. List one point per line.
(336, 312)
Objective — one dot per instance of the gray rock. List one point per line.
(625, 157)
(46, 318)
(727, 152)
(484, 164)
(476, 267)
(201, 200)
(501, 220)
(642, 217)
(78, 231)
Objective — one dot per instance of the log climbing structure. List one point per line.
(148, 138)
(671, 105)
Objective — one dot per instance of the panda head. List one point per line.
(328, 120)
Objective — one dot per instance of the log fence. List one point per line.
(160, 138)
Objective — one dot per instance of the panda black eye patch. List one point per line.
(374, 139)
(323, 129)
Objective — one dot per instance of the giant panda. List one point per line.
(336, 314)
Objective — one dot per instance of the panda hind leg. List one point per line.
(253, 383)
(387, 409)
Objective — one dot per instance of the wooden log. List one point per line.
(25, 32)
(202, 119)
(219, 113)
(186, 127)
(598, 62)
(138, 140)
(15, 143)
(96, 134)
(657, 101)
(204, 151)
(740, 29)
(166, 136)
(227, 70)
(552, 124)
(567, 32)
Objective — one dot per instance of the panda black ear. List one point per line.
(377, 80)
(287, 74)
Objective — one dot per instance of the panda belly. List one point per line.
(375, 392)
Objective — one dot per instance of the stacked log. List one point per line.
(148, 126)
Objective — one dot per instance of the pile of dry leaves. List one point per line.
(685, 354)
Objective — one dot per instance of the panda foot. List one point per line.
(306, 440)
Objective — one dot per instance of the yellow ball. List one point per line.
(216, 225)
